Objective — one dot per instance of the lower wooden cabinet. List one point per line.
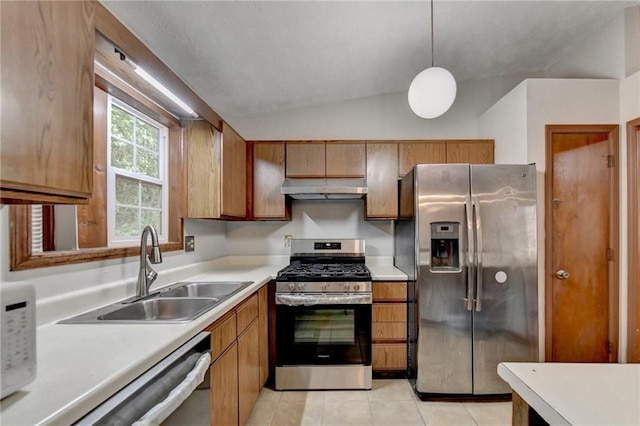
(239, 352)
(248, 372)
(224, 388)
(389, 327)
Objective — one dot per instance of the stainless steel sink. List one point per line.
(178, 303)
(211, 289)
(179, 310)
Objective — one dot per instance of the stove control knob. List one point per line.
(300, 286)
(324, 286)
(356, 287)
(292, 286)
(346, 286)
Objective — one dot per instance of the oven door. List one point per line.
(323, 329)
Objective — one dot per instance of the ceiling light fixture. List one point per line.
(433, 91)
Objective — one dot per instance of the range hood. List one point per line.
(324, 189)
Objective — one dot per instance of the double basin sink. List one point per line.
(178, 303)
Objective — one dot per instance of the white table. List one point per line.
(574, 394)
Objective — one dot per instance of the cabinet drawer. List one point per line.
(389, 291)
(389, 331)
(223, 334)
(389, 312)
(247, 312)
(392, 356)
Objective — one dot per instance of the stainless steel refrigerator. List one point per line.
(466, 237)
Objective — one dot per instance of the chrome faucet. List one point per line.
(146, 275)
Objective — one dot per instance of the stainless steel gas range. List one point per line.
(323, 317)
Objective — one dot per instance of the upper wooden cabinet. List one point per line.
(268, 175)
(47, 92)
(382, 180)
(234, 174)
(345, 160)
(216, 172)
(320, 159)
(472, 152)
(411, 153)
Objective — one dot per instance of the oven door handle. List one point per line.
(310, 299)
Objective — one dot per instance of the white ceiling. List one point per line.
(253, 57)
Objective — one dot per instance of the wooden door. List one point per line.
(248, 371)
(345, 160)
(268, 174)
(306, 160)
(633, 187)
(382, 181)
(224, 388)
(234, 174)
(472, 152)
(419, 152)
(263, 323)
(203, 177)
(581, 201)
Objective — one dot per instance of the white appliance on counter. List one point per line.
(18, 304)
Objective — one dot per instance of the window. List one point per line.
(137, 189)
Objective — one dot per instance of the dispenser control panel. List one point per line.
(445, 247)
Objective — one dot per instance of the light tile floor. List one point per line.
(388, 403)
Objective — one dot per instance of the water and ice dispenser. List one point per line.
(445, 247)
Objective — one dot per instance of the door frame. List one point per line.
(633, 244)
(614, 284)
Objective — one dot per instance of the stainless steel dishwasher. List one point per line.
(158, 392)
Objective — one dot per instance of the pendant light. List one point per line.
(433, 91)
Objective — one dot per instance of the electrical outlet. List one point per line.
(287, 240)
(189, 243)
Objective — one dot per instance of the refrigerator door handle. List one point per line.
(477, 216)
(470, 254)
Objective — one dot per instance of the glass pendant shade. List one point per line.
(432, 92)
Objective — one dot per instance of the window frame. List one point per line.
(113, 171)
(21, 255)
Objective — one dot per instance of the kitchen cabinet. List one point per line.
(263, 324)
(216, 172)
(248, 371)
(224, 388)
(47, 89)
(335, 159)
(382, 180)
(238, 344)
(268, 175)
(411, 153)
(389, 327)
(472, 152)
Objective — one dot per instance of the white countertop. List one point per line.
(578, 394)
(81, 365)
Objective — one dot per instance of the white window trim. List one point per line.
(114, 241)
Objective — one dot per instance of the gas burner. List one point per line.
(308, 271)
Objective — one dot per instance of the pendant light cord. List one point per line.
(432, 60)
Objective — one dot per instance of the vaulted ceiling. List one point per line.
(253, 57)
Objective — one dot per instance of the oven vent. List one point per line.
(325, 189)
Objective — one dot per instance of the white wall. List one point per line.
(312, 219)
(57, 280)
(379, 117)
(506, 123)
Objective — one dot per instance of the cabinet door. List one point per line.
(412, 153)
(203, 177)
(224, 388)
(473, 152)
(47, 92)
(389, 357)
(306, 160)
(382, 180)
(263, 323)
(234, 174)
(268, 175)
(345, 160)
(248, 371)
